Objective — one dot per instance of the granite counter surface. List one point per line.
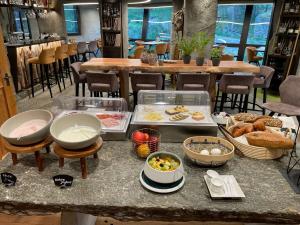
(112, 189)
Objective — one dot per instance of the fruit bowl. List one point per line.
(145, 141)
(159, 174)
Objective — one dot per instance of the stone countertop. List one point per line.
(32, 42)
(112, 189)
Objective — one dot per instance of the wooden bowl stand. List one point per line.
(78, 154)
(34, 148)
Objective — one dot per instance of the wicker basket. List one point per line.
(250, 150)
(208, 160)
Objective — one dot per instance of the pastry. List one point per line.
(171, 111)
(153, 116)
(198, 116)
(178, 117)
(269, 140)
(239, 130)
(246, 117)
(271, 122)
(259, 125)
(251, 118)
(181, 108)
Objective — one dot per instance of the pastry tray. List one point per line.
(232, 189)
(113, 133)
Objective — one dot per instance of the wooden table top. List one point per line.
(179, 66)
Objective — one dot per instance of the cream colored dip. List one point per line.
(28, 128)
(77, 133)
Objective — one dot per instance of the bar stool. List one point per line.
(45, 59)
(72, 52)
(79, 77)
(161, 50)
(82, 50)
(62, 58)
(145, 81)
(263, 80)
(137, 52)
(92, 48)
(252, 55)
(193, 81)
(238, 85)
(168, 50)
(99, 82)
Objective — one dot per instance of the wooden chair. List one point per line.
(252, 55)
(161, 50)
(82, 50)
(192, 81)
(72, 52)
(168, 51)
(138, 52)
(62, 59)
(227, 57)
(93, 48)
(78, 77)
(45, 59)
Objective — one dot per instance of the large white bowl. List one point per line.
(81, 119)
(163, 177)
(20, 119)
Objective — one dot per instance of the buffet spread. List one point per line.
(79, 123)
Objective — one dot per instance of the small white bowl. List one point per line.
(212, 174)
(164, 177)
(217, 185)
(19, 119)
(81, 119)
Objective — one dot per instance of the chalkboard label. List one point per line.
(63, 181)
(8, 179)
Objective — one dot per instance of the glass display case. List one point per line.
(112, 112)
(176, 114)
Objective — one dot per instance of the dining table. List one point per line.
(125, 66)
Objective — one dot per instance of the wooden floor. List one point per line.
(55, 220)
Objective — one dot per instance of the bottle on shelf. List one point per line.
(286, 7)
(292, 7)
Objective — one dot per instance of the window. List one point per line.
(135, 22)
(21, 22)
(242, 25)
(149, 23)
(159, 23)
(72, 19)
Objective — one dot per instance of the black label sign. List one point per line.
(8, 179)
(63, 181)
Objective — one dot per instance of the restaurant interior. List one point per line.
(149, 112)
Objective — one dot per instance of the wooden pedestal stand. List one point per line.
(34, 148)
(78, 154)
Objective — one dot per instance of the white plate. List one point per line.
(232, 189)
(159, 190)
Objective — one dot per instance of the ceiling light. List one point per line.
(135, 2)
(82, 3)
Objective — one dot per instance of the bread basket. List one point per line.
(250, 150)
(207, 160)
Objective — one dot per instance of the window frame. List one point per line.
(78, 22)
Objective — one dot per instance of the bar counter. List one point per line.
(19, 54)
(112, 189)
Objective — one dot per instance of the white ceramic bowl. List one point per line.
(81, 119)
(19, 119)
(163, 177)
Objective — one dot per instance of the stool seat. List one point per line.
(146, 86)
(34, 60)
(78, 154)
(259, 83)
(237, 89)
(192, 86)
(283, 108)
(33, 148)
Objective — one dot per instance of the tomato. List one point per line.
(138, 136)
(146, 137)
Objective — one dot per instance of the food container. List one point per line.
(65, 122)
(145, 141)
(21, 118)
(192, 145)
(163, 177)
(154, 110)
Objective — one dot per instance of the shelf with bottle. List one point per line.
(26, 4)
(288, 27)
(291, 7)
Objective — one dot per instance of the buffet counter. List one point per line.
(112, 189)
(19, 54)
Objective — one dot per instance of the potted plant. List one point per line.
(186, 46)
(201, 42)
(216, 56)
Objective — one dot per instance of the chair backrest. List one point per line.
(81, 47)
(268, 73)
(61, 52)
(99, 43)
(168, 47)
(138, 51)
(193, 78)
(289, 90)
(161, 49)
(250, 53)
(227, 57)
(146, 78)
(72, 49)
(236, 80)
(138, 42)
(75, 67)
(47, 56)
(93, 46)
(72, 40)
(94, 77)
